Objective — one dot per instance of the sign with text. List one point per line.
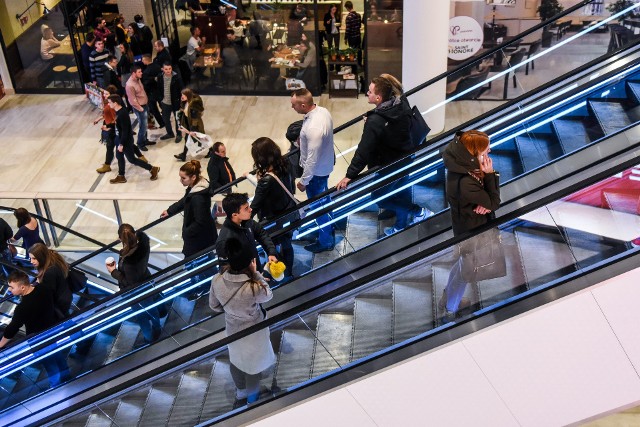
(465, 37)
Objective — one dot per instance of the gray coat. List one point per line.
(252, 354)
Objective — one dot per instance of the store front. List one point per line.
(250, 47)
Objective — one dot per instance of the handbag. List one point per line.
(300, 211)
(482, 255)
(199, 145)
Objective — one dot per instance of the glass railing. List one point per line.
(340, 206)
(125, 326)
(540, 248)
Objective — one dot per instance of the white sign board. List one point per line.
(465, 37)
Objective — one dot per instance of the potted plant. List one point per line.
(547, 10)
(343, 55)
(333, 54)
(351, 53)
(619, 6)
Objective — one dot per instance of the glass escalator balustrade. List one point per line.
(542, 248)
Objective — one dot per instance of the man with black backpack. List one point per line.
(386, 138)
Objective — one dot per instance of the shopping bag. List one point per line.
(198, 145)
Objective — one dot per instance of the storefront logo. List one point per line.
(465, 37)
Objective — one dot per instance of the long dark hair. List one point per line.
(47, 258)
(22, 216)
(267, 157)
(127, 235)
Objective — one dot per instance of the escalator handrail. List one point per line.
(168, 284)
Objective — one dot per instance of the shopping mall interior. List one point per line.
(360, 332)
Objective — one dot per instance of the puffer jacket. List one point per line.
(465, 191)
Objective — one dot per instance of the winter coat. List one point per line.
(234, 295)
(385, 137)
(193, 120)
(133, 268)
(248, 233)
(473, 191)
(198, 228)
(218, 175)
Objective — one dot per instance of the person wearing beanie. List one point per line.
(238, 290)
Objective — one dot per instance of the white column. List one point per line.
(424, 54)
(4, 75)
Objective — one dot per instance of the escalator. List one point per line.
(523, 124)
(395, 311)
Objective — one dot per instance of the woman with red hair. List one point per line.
(473, 194)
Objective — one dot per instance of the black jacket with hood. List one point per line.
(198, 228)
(472, 191)
(385, 138)
(248, 233)
(133, 268)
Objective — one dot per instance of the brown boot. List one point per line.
(104, 168)
(144, 159)
(118, 180)
(154, 173)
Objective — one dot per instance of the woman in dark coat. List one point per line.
(132, 271)
(190, 117)
(198, 228)
(271, 200)
(473, 194)
(52, 274)
(28, 229)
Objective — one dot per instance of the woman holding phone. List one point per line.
(473, 194)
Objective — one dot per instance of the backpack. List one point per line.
(419, 129)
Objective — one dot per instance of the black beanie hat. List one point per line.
(239, 258)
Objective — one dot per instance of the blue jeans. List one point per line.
(455, 286)
(401, 202)
(143, 117)
(148, 320)
(318, 185)
(57, 369)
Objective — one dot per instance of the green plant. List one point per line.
(619, 6)
(549, 8)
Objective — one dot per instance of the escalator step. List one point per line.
(102, 417)
(572, 134)
(589, 248)
(633, 90)
(373, 324)
(130, 407)
(159, 402)
(536, 150)
(332, 348)
(201, 310)
(179, 315)
(412, 309)
(544, 256)
(295, 356)
(506, 160)
(611, 115)
(125, 341)
(362, 230)
(221, 392)
(190, 397)
(100, 348)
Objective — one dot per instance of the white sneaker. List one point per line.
(391, 230)
(422, 215)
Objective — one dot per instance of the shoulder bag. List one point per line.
(300, 211)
